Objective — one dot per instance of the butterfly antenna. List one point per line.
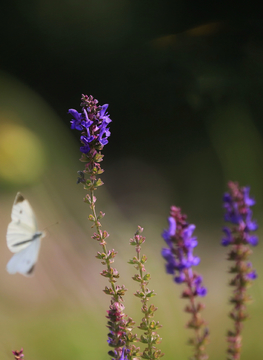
(47, 227)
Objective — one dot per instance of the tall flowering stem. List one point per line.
(238, 236)
(18, 354)
(180, 259)
(93, 122)
(148, 325)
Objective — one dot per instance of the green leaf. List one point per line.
(91, 218)
(137, 277)
(99, 182)
(147, 277)
(84, 158)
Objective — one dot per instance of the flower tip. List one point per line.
(18, 354)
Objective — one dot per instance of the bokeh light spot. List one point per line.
(22, 156)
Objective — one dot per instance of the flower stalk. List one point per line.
(180, 259)
(148, 325)
(238, 236)
(93, 123)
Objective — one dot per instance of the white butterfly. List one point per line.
(22, 238)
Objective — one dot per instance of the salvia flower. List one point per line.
(18, 354)
(92, 121)
(179, 254)
(238, 235)
(179, 262)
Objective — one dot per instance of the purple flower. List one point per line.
(86, 123)
(180, 279)
(179, 262)
(238, 236)
(85, 141)
(104, 115)
(248, 201)
(189, 242)
(228, 239)
(192, 260)
(252, 239)
(123, 356)
(103, 135)
(179, 254)
(76, 123)
(201, 291)
(251, 225)
(171, 263)
(252, 275)
(237, 206)
(93, 123)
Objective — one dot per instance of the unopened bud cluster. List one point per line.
(18, 354)
(148, 325)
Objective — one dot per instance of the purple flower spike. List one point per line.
(237, 206)
(179, 262)
(179, 255)
(93, 123)
(238, 236)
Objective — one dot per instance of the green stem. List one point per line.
(93, 209)
(144, 301)
(194, 312)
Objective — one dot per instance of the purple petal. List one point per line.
(227, 198)
(180, 279)
(170, 268)
(167, 238)
(252, 275)
(103, 110)
(84, 149)
(188, 231)
(248, 201)
(252, 240)
(172, 226)
(75, 114)
(201, 291)
(251, 225)
(228, 239)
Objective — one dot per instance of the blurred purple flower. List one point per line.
(18, 354)
(179, 255)
(238, 235)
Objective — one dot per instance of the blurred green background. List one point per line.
(184, 80)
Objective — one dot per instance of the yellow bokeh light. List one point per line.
(22, 156)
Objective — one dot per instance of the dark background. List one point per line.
(165, 67)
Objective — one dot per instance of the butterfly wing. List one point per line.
(24, 261)
(23, 227)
